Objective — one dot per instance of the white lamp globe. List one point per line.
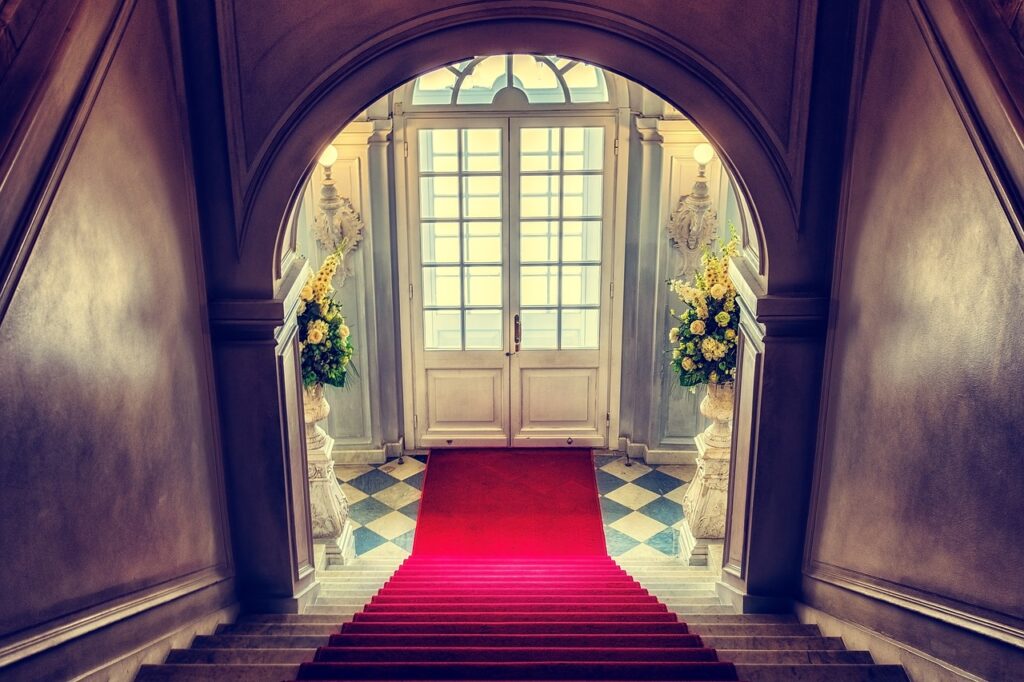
(329, 156)
(703, 153)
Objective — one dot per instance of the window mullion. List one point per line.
(561, 210)
(462, 237)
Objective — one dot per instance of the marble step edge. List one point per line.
(755, 672)
(698, 628)
(724, 642)
(298, 655)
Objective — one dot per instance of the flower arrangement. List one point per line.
(704, 343)
(323, 335)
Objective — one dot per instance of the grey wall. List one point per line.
(112, 490)
(918, 493)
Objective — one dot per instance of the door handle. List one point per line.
(518, 332)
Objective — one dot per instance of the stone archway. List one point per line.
(257, 334)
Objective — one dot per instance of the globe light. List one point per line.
(329, 156)
(703, 153)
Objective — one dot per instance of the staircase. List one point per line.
(439, 619)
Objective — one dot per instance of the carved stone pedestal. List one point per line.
(327, 503)
(706, 498)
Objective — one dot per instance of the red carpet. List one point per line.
(520, 503)
(509, 579)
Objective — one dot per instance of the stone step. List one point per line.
(340, 613)
(342, 601)
(840, 672)
(740, 618)
(278, 629)
(260, 641)
(773, 643)
(694, 600)
(795, 656)
(288, 618)
(219, 672)
(685, 611)
(360, 585)
(753, 629)
(246, 655)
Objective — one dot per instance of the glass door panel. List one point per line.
(461, 211)
(560, 236)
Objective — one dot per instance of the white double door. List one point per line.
(510, 252)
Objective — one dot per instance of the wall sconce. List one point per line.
(338, 226)
(694, 222)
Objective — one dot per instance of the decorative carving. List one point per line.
(338, 226)
(705, 500)
(693, 223)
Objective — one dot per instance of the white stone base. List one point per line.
(698, 551)
(333, 552)
(343, 456)
(640, 451)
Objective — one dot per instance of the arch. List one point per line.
(673, 72)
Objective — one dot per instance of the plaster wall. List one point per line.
(112, 501)
(917, 493)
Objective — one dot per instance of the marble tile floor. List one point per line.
(641, 505)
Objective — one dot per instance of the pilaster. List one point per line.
(256, 352)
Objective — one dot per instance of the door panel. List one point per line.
(511, 254)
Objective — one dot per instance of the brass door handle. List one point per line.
(518, 331)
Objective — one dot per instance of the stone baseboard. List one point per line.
(917, 664)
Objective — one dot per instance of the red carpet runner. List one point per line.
(509, 579)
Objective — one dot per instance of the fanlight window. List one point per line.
(543, 80)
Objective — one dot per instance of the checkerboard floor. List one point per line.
(640, 505)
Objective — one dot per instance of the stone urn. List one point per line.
(328, 505)
(706, 499)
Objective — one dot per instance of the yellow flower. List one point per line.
(306, 293)
(722, 318)
(315, 336)
(673, 335)
(712, 349)
(730, 334)
(718, 291)
(713, 377)
(697, 327)
(688, 363)
(676, 354)
(344, 331)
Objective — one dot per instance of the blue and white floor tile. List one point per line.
(641, 506)
(383, 502)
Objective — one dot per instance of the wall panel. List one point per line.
(113, 494)
(918, 489)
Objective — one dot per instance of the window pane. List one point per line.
(439, 151)
(539, 149)
(440, 242)
(439, 197)
(483, 83)
(540, 329)
(434, 87)
(442, 329)
(483, 242)
(580, 328)
(481, 149)
(536, 79)
(483, 285)
(581, 284)
(582, 195)
(441, 286)
(538, 285)
(581, 240)
(584, 148)
(484, 330)
(586, 83)
(539, 196)
(538, 241)
(482, 196)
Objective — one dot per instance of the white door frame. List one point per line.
(620, 123)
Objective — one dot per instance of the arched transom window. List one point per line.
(537, 79)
